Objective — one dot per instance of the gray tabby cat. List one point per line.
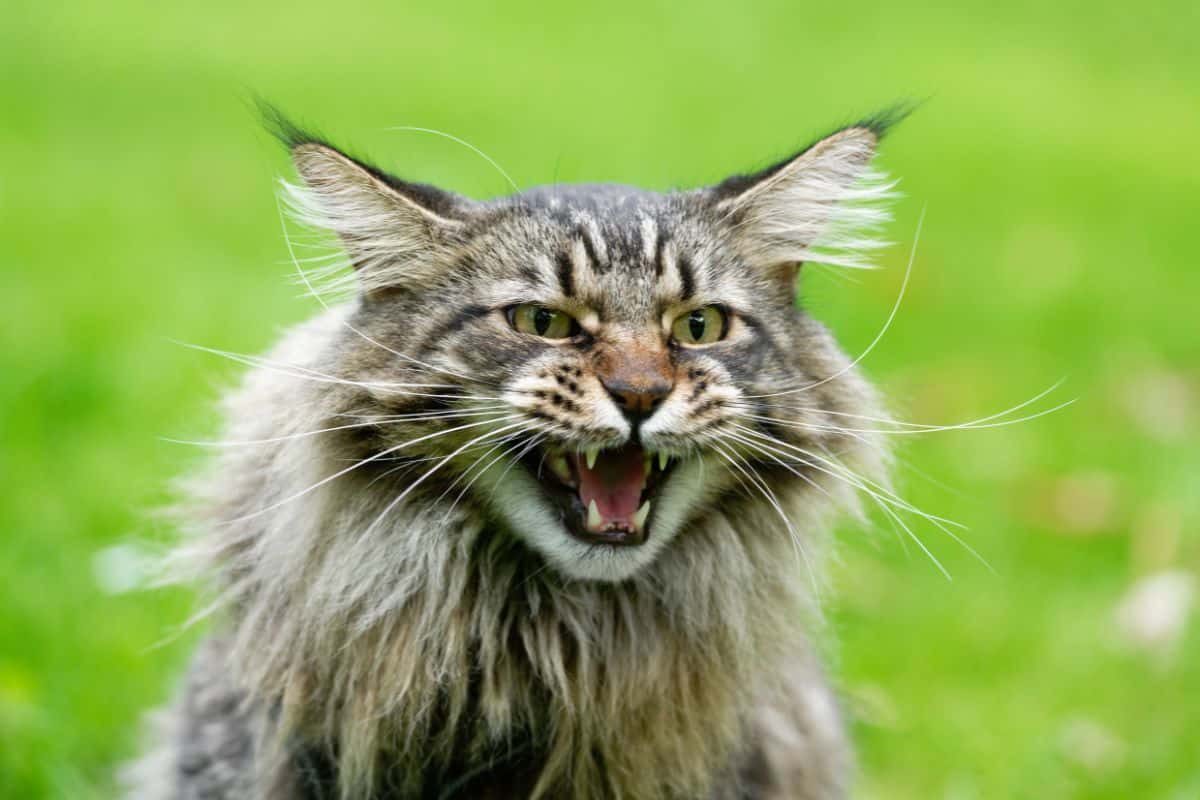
(539, 513)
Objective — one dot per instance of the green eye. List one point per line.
(541, 321)
(700, 326)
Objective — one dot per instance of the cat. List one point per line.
(540, 510)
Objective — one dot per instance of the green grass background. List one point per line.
(1057, 161)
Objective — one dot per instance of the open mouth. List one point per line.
(605, 496)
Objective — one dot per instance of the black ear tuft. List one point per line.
(823, 204)
(289, 134)
(878, 124)
(294, 136)
(883, 120)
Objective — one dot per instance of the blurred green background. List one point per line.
(1057, 161)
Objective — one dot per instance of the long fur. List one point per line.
(418, 633)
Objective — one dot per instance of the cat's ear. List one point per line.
(824, 204)
(397, 234)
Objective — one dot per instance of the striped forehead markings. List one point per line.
(565, 271)
(687, 278)
(674, 270)
(588, 232)
(587, 252)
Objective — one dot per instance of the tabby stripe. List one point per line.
(687, 278)
(566, 274)
(441, 330)
(590, 247)
(594, 245)
(659, 255)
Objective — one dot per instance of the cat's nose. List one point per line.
(636, 398)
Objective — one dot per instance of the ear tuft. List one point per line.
(825, 204)
(284, 129)
(882, 121)
(397, 234)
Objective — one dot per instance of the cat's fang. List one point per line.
(595, 522)
(592, 453)
(639, 519)
(663, 458)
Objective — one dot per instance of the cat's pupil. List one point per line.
(541, 320)
(696, 325)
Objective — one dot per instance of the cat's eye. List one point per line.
(547, 323)
(700, 326)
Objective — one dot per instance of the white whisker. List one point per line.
(374, 423)
(886, 325)
(512, 184)
(441, 463)
(304, 277)
(306, 373)
(923, 426)
(797, 544)
(361, 463)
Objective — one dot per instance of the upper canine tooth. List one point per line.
(663, 458)
(647, 466)
(591, 454)
(639, 519)
(594, 519)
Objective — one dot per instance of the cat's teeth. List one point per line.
(663, 458)
(594, 519)
(647, 466)
(592, 453)
(639, 519)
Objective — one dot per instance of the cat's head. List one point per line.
(599, 367)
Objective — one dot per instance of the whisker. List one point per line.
(923, 426)
(502, 443)
(441, 463)
(464, 143)
(879, 500)
(380, 422)
(409, 462)
(880, 495)
(304, 277)
(762, 450)
(886, 325)
(975, 425)
(363, 462)
(940, 523)
(305, 373)
(797, 545)
(860, 482)
(526, 447)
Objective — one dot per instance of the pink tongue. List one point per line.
(615, 483)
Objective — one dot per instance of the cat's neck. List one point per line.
(473, 644)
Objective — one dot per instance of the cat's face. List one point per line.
(599, 366)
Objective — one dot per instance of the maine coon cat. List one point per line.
(539, 512)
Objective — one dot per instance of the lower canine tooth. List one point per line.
(594, 519)
(639, 519)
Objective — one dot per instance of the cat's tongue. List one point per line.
(614, 483)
